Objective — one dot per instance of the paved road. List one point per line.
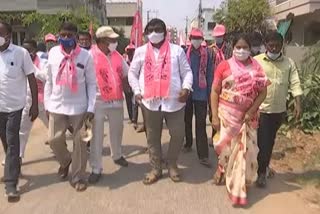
(121, 190)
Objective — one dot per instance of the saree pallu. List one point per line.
(236, 143)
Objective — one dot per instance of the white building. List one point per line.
(120, 14)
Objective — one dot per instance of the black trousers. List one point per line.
(132, 108)
(9, 134)
(269, 125)
(199, 108)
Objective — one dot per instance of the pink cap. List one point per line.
(130, 47)
(50, 37)
(219, 30)
(196, 32)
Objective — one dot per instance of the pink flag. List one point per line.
(136, 30)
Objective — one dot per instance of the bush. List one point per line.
(310, 79)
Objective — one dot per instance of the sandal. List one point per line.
(152, 177)
(174, 174)
(80, 186)
(218, 178)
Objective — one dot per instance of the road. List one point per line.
(121, 190)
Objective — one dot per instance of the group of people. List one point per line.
(77, 84)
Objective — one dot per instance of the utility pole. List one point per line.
(186, 29)
(148, 15)
(200, 15)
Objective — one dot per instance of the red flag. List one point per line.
(136, 30)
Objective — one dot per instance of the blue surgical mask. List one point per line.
(219, 40)
(67, 42)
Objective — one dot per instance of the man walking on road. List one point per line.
(111, 75)
(16, 68)
(201, 65)
(161, 79)
(41, 76)
(70, 94)
(283, 74)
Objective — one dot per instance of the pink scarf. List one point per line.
(219, 55)
(67, 74)
(203, 66)
(248, 80)
(157, 73)
(40, 85)
(109, 75)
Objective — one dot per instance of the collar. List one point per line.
(9, 48)
(266, 58)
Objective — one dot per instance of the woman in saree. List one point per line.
(239, 87)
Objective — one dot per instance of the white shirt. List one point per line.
(60, 99)
(181, 78)
(15, 66)
(117, 103)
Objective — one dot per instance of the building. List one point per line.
(305, 27)
(207, 23)
(120, 14)
(96, 7)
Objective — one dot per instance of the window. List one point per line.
(18, 37)
(129, 21)
(211, 25)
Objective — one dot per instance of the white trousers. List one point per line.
(26, 125)
(115, 119)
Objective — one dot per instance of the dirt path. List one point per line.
(121, 190)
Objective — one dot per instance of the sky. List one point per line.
(174, 12)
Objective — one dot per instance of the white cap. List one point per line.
(106, 32)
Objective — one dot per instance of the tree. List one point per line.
(243, 15)
(50, 23)
(122, 41)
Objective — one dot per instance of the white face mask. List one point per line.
(113, 46)
(241, 54)
(196, 43)
(273, 56)
(156, 38)
(2, 41)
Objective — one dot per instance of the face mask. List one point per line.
(273, 56)
(2, 41)
(256, 49)
(67, 42)
(113, 46)
(156, 38)
(196, 43)
(241, 54)
(219, 40)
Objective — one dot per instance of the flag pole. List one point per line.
(136, 23)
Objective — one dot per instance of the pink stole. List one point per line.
(67, 74)
(157, 72)
(203, 65)
(40, 84)
(109, 74)
(219, 55)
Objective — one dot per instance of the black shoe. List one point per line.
(262, 181)
(94, 178)
(121, 162)
(63, 172)
(12, 195)
(205, 162)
